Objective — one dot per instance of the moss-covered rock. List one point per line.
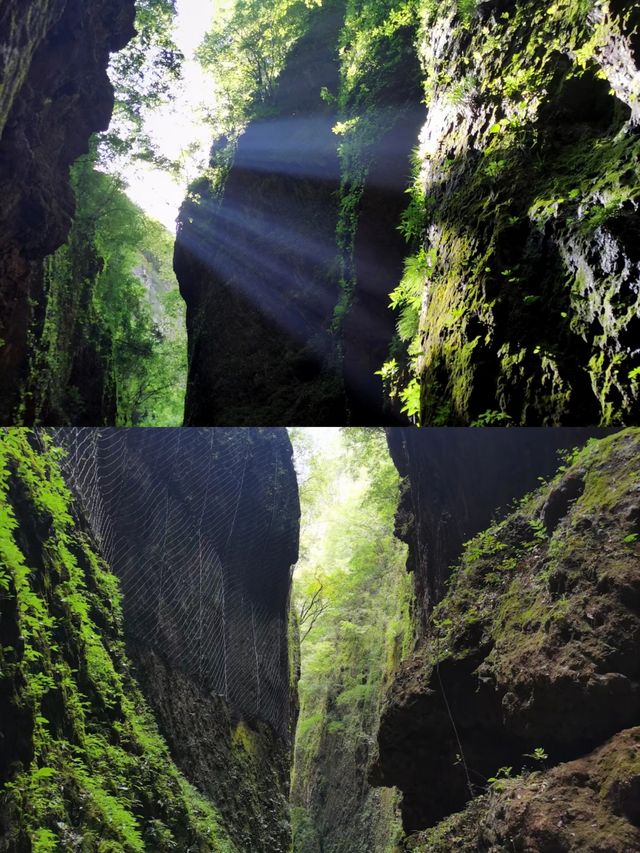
(55, 94)
(584, 806)
(241, 766)
(533, 646)
(525, 203)
(82, 764)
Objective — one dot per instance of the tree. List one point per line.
(311, 608)
(98, 311)
(246, 50)
(352, 594)
(143, 75)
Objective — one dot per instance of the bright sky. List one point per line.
(323, 441)
(178, 126)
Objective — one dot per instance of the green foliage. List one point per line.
(98, 308)
(538, 754)
(348, 505)
(375, 50)
(106, 348)
(88, 763)
(143, 75)
(492, 418)
(305, 835)
(498, 782)
(245, 51)
(466, 9)
(526, 179)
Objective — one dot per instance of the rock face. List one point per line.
(589, 804)
(529, 166)
(242, 767)
(257, 266)
(534, 645)
(81, 761)
(523, 214)
(261, 262)
(376, 259)
(55, 94)
(456, 480)
(201, 526)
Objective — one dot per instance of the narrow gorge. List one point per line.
(410, 212)
(165, 685)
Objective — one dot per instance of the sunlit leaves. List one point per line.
(246, 51)
(143, 75)
(348, 545)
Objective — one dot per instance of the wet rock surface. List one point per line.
(243, 767)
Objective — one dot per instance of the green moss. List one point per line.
(505, 581)
(504, 307)
(245, 739)
(578, 805)
(90, 767)
(454, 833)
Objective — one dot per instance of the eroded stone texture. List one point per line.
(584, 806)
(533, 645)
(456, 481)
(55, 94)
(529, 166)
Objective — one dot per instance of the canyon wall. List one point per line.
(55, 94)
(286, 264)
(82, 763)
(455, 482)
(527, 171)
(256, 261)
(147, 683)
(513, 255)
(201, 527)
(521, 696)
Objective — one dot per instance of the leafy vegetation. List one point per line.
(87, 769)
(143, 75)
(246, 51)
(376, 50)
(352, 563)
(106, 353)
(109, 345)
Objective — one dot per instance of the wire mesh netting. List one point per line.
(201, 527)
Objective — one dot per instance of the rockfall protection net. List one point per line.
(201, 526)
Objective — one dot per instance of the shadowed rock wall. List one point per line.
(55, 94)
(528, 165)
(257, 265)
(201, 526)
(457, 481)
(532, 644)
